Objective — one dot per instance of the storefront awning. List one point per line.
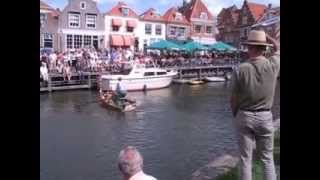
(131, 23)
(116, 22)
(128, 40)
(116, 40)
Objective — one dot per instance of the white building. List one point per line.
(121, 27)
(151, 28)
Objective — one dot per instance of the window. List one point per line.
(91, 20)
(181, 31)
(145, 42)
(244, 20)
(83, 5)
(74, 20)
(161, 73)
(209, 29)
(149, 74)
(47, 41)
(77, 40)
(87, 41)
(203, 15)
(129, 29)
(115, 28)
(197, 28)
(178, 17)
(125, 11)
(43, 20)
(172, 31)
(148, 29)
(69, 41)
(158, 29)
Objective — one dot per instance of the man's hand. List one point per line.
(275, 43)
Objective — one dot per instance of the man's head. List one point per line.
(130, 161)
(256, 43)
(119, 79)
(255, 50)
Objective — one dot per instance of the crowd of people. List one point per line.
(97, 60)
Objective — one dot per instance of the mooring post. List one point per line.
(89, 80)
(180, 73)
(49, 83)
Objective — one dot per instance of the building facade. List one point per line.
(121, 27)
(249, 15)
(177, 25)
(151, 28)
(49, 23)
(202, 21)
(81, 25)
(227, 25)
(270, 22)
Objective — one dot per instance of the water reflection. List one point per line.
(177, 129)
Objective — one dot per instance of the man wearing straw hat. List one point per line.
(253, 87)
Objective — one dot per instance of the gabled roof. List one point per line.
(257, 10)
(116, 11)
(44, 6)
(170, 15)
(195, 8)
(151, 15)
(273, 12)
(232, 12)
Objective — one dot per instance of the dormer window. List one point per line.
(203, 15)
(83, 5)
(178, 17)
(125, 11)
(43, 19)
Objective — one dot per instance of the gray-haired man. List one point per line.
(252, 96)
(131, 163)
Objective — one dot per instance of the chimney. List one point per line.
(269, 6)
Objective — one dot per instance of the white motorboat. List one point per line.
(139, 78)
(215, 79)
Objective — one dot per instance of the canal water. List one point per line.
(177, 130)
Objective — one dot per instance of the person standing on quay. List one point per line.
(253, 87)
(130, 164)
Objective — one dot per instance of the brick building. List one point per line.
(151, 28)
(270, 22)
(121, 26)
(227, 25)
(177, 25)
(202, 21)
(49, 23)
(249, 15)
(81, 25)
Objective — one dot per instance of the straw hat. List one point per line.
(257, 37)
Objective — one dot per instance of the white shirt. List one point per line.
(142, 176)
(53, 57)
(43, 70)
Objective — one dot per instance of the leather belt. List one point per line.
(255, 110)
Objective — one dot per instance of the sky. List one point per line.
(140, 6)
